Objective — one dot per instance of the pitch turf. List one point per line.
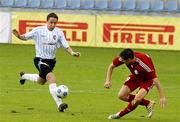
(88, 100)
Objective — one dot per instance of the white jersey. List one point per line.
(47, 42)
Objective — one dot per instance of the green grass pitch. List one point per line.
(88, 101)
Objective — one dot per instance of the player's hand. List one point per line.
(107, 84)
(162, 102)
(76, 54)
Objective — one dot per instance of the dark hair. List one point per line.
(52, 15)
(126, 54)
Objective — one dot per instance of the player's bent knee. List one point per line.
(122, 97)
(135, 102)
(41, 81)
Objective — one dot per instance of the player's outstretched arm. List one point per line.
(108, 83)
(161, 93)
(70, 51)
(16, 33)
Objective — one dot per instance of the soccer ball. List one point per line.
(62, 91)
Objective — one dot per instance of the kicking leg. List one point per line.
(131, 106)
(124, 94)
(134, 103)
(52, 89)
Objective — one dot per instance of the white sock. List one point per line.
(52, 90)
(31, 77)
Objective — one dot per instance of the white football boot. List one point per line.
(149, 109)
(114, 116)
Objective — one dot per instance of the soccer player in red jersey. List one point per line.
(143, 77)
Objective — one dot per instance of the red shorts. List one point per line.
(133, 83)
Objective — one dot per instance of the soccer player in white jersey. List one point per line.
(48, 39)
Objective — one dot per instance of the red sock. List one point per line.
(128, 109)
(143, 102)
(131, 97)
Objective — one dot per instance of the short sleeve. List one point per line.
(30, 35)
(62, 40)
(117, 61)
(152, 75)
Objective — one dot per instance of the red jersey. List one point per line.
(143, 67)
